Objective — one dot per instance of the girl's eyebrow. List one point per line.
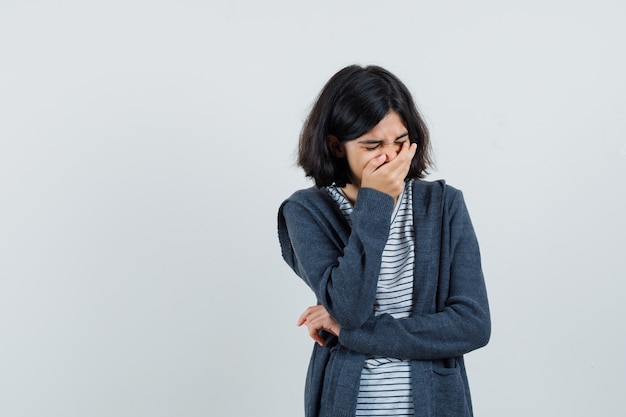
(403, 135)
(373, 141)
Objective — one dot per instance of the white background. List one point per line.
(145, 147)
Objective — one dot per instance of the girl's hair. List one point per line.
(351, 103)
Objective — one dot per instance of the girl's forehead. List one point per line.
(391, 124)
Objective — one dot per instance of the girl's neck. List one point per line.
(351, 191)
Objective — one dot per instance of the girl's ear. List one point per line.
(336, 147)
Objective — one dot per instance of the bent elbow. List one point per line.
(482, 331)
(485, 336)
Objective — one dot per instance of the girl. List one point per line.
(393, 260)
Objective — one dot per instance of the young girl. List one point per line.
(393, 260)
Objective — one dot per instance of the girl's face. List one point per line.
(386, 138)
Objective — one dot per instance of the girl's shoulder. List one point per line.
(435, 193)
(312, 198)
(307, 194)
(433, 187)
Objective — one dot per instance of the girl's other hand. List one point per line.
(316, 318)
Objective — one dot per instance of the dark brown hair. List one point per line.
(351, 103)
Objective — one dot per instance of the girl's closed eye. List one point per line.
(378, 145)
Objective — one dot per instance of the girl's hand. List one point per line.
(316, 318)
(389, 177)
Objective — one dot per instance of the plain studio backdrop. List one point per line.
(145, 147)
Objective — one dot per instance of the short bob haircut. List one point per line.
(351, 103)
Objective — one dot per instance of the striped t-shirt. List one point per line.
(385, 388)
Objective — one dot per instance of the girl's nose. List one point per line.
(391, 151)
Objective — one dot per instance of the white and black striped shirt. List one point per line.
(385, 388)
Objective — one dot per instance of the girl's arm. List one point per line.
(461, 327)
(343, 279)
(462, 323)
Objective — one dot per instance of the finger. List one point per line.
(315, 335)
(373, 164)
(317, 313)
(305, 315)
(406, 153)
(311, 314)
(314, 322)
(324, 323)
(316, 316)
(402, 162)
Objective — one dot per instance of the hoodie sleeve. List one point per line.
(344, 278)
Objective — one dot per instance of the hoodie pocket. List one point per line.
(448, 390)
